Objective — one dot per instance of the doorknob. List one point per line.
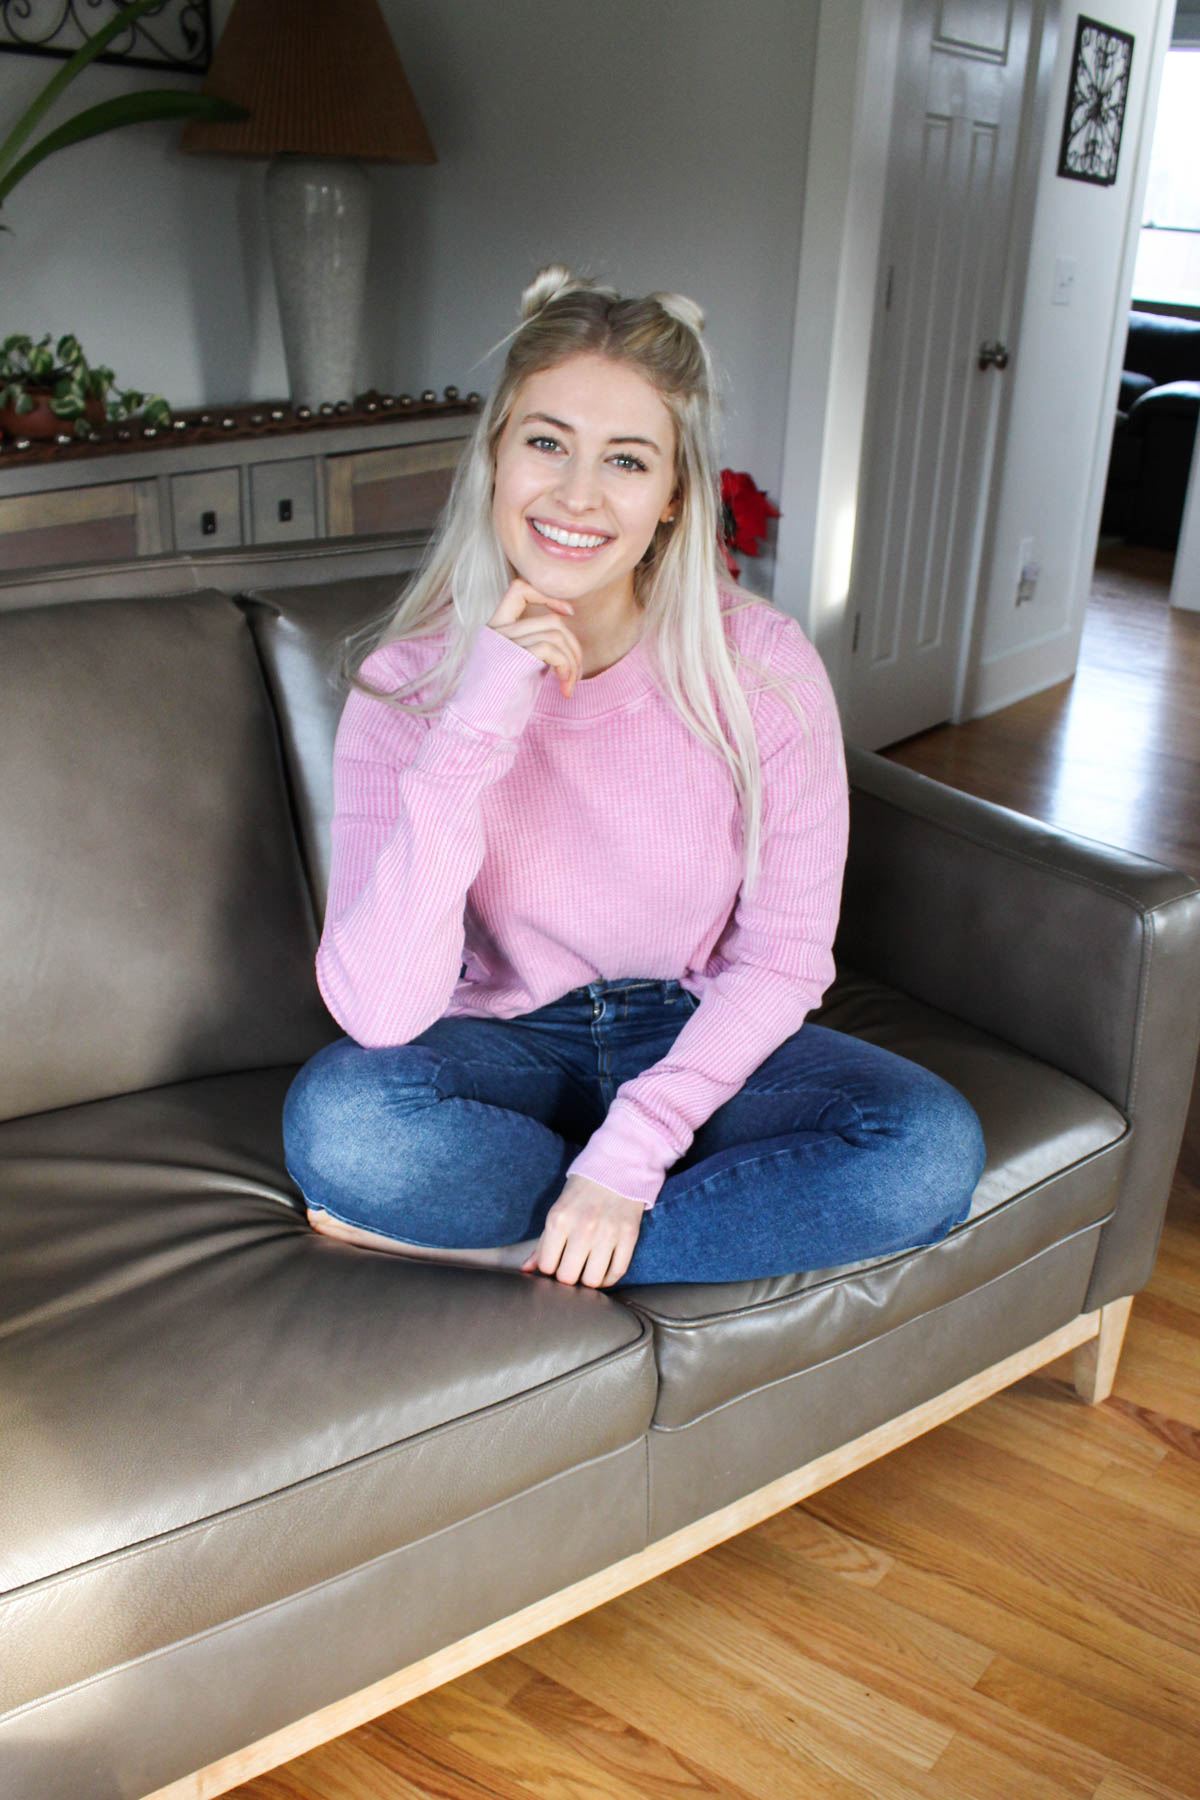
(993, 356)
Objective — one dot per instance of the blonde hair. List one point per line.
(464, 574)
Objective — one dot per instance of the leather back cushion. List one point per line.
(1163, 346)
(302, 634)
(154, 920)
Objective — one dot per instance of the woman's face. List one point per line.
(585, 470)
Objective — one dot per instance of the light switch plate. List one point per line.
(1064, 280)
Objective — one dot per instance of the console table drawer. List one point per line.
(207, 510)
(283, 501)
(400, 489)
(79, 525)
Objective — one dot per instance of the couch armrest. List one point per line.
(1168, 400)
(1133, 386)
(1084, 956)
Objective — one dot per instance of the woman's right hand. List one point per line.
(548, 637)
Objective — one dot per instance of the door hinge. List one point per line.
(857, 628)
(887, 298)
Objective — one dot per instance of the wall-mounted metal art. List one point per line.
(1095, 116)
(175, 35)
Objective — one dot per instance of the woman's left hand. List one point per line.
(589, 1235)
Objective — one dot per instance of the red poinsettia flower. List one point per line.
(745, 511)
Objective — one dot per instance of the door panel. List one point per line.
(932, 410)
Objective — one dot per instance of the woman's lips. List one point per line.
(590, 543)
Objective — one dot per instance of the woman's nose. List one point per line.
(578, 485)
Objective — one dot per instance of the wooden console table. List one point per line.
(222, 480)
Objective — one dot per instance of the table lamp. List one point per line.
(326, 93)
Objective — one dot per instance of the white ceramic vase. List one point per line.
(319, 215)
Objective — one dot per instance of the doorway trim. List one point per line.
(837, 291)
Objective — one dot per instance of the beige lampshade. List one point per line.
(318, 78)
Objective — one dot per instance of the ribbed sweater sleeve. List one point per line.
(776, 954)
(407, 837)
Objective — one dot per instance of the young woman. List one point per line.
(590, 826)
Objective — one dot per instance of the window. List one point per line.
(1168, 259)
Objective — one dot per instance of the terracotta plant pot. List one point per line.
(41, 423)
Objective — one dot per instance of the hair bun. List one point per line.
(547, 285)
(684, 310)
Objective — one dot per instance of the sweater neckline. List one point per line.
(611, 690)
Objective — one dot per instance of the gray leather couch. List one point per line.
(247, 1472)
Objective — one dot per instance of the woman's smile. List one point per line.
(566, 540)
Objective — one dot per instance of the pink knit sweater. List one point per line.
(547, 842)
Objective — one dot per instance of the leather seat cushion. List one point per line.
(1055, 1154)
(217, 1408)
(226, 1407)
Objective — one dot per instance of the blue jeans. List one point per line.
(831, 1151)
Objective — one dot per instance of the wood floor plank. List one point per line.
(495, 1681)
(1136, 1746)
(1120, 1787)
(1170, 1494)
(1048, 1535)
(688, 1706)
(849, 1558)
(654, 1770)
(882, 1648)
(1041, 1421)
(578, 1750)
(912, 1658)
(877, 1688)
(1032, 1638)
(981, 1771)
(949, 1570)
(762, 1634)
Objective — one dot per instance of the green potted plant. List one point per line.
(126, 109)
(45, 391)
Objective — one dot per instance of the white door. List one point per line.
(931, 407)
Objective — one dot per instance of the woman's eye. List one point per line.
(624, 461)
(542, 443)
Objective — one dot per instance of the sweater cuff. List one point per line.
(498, 687)
(624, 1158)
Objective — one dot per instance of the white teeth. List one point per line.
(570, 540)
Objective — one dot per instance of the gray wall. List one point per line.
(656, 143)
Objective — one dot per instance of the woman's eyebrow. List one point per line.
(562, 425)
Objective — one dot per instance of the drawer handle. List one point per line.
(208, 524)
(285, 512)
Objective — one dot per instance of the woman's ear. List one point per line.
(667, 516)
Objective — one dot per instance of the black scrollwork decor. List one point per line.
(1095, 116)
(174, 35)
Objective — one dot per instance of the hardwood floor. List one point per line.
(1113, 753)
(1007, 1608)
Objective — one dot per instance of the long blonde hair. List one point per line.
(464, 574)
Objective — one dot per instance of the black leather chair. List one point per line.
(1155, 430)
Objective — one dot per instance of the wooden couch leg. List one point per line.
(1096, 1361)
